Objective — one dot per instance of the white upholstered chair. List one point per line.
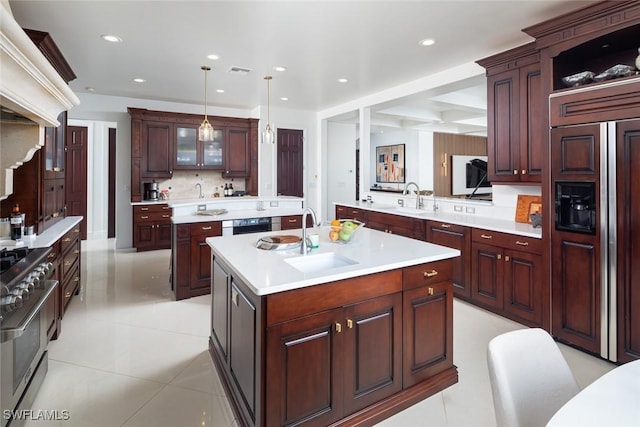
(530, 379)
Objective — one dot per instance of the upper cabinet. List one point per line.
(164, 142)
(515, 108)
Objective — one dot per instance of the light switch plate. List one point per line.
(273, 204)
(457, 208)
(471, 210)
(202, 207)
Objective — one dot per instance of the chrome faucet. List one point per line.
(304, 248)
(418, 198)
(200, 193)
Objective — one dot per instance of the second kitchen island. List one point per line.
(349, 334)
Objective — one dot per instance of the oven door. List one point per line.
(23, 360)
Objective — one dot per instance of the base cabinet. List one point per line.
(507, 277)
(380, 344)
(456, 237)
(151, 227)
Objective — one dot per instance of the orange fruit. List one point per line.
(335, 222)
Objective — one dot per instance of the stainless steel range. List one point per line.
(24, 290)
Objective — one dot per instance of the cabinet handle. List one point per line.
(486, 236)
(66, 239)
(445, 225)
(430, 273)
(293, 220)
(523, 172)
(76, 279)
(499, 256)
(67, 263)
(206, 228)
(52, 255)
(166, 208)
(144, 217)
(76, 230)
(144, 209)
(234, 297)
(165, 216)
(349, 323)
(76, 252)
(518, 242)
(55, 214)
(506, 258)
(430, 291)
(56, 169)
(338, 327)
(515, 172)
(67, 294)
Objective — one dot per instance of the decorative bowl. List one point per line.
(344, 232)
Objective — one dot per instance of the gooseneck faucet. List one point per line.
(200, 193)
(418, 198)
(304, 249)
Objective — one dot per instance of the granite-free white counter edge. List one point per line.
(474, 221)
(266, 272)
(51, 234)
(236, 214)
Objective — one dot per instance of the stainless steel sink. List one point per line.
(212, 212)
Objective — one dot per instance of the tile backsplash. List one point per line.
(183, 184)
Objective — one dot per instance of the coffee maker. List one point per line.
(151, 190)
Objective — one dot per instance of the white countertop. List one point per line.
(266, 272)
(475, 221)
(215, 200)
(49, 236)
(611, 400)
(236, 214)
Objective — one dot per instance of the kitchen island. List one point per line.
(349, 334)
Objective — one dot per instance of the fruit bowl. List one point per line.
(343, 230)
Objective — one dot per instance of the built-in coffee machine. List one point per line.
(576, 206)
(151, 190)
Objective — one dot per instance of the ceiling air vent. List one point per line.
(239, 70)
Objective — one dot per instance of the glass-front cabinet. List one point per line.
(194, 154)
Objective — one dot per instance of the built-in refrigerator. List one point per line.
(595, 237)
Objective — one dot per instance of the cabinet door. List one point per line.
(237, 153)
(213, 151)
(486, 275)
(157, 151)
(291, 222)
(427, 332)
(523, 286)
(532, 133)
(144, 235)
(456, 237)
(200, 260)
(163, 235)
(304, 376)
(54, 144)
(373, 351)
(503, 96)
(219, 307)
(186, 148)
(242, 346)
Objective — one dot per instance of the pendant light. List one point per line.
(267, 133)
(205, 132)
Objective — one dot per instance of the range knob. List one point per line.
(46, 267)
(8, 303)
(27, 287)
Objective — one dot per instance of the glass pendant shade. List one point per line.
(205, 131)
(268, 136)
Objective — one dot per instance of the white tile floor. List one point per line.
(131, 356)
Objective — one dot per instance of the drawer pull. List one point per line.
(165, 216)
(430, 291)
(144, 217)
(206, 228)
(76, 230)
(56, 169)
(166, 208)
(445, 225)
(144, 209)
(293, 220)
(77, 251)
(67, 263)
(430, 273)
(499, 256)
(515, 172)
(506, 258)
(52, 255)
(523, 172)
(338, 327)
(518, 242)
(55, 214)
(349, 323)
(486, 236)
(67, 294)
(66, 239)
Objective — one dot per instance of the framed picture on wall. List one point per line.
(390, 163)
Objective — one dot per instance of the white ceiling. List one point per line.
(372, 43)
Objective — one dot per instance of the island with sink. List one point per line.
(344, 334)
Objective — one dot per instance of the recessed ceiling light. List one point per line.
(90, 89)
(284, 98)
(220, 90)
(342, 80)
(280, 68)
(139, 80)
(111, 38)
(213, 57)
(427, 42)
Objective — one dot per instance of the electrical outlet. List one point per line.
(273, 204)
(457, 208)
(401, 202)
(202, 207)
(471, 210)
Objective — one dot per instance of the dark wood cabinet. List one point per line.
(151, 227)
(292, 222)
(396, 224)
(162, 142)
(347, 212)
(456, 237)
(378, 344)
(191, 258)
(54, 149)
(515, 133)
(237, 149)
(506, 277)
